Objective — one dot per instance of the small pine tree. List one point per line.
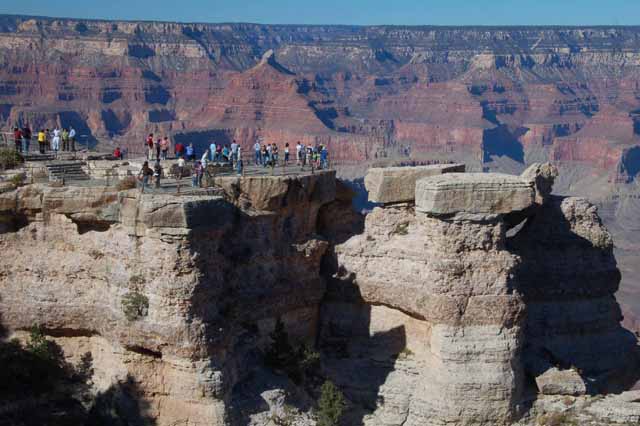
(280, 353)
(331, 405)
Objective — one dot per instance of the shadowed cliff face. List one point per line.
(364, 91)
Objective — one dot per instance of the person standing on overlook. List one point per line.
(55, 144)
(191, 152)
(17, 139)
(72, 139)
(157, 147)
(286, 154)
(212, 151)
(234, 152)
(42, 140)
(179, 150)
(164, 147)
(149, 146)
(65, 140)
(26, 138)
(299, 154)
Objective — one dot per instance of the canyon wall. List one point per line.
(367, 92)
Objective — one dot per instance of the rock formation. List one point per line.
(462, 308)
(484, 300)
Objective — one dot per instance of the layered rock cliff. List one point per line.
(481, 300)
(365, 91)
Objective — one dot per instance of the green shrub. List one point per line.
(297, 363)
(331, 405)
(17, 180)
(401, 229)
(135, 305)
(10, 158)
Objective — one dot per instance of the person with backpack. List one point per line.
(145, 174)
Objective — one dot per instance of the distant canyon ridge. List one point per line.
(568, 94)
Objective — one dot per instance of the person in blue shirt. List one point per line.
(191, 153)
(324, 156)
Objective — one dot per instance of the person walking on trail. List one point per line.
(286, 154)
(299, 152)
(181, 164)
(72, 139)
(149, 146)
(164, 147)
(65, 140)
(157, 173)
(145, 174)
(196, 175)
(26, 138)
(56, 140)
(42, 140)
(17, 139)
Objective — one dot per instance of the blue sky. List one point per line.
(357, 12)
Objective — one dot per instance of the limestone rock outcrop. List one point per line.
(212, 277)
(464, 317)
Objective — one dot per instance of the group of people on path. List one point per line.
(316, 156)
(48, 140)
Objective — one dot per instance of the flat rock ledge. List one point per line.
(473, 193)
(397, 184)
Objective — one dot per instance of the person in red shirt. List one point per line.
(17, 138)
(179, 149)
(149, 144)
(117, 153)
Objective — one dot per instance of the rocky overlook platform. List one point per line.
(481, 300)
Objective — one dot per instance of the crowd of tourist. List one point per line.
(58, 139)
(157, 149)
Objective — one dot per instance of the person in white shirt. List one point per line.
(234, 152)
(205, 158)
(299, 153)
(56, 139)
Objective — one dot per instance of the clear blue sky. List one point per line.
(357, 12)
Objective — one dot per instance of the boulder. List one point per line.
(561, 382)
(397, 184)
(474, 193)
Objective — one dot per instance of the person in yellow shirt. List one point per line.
(42, 140)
